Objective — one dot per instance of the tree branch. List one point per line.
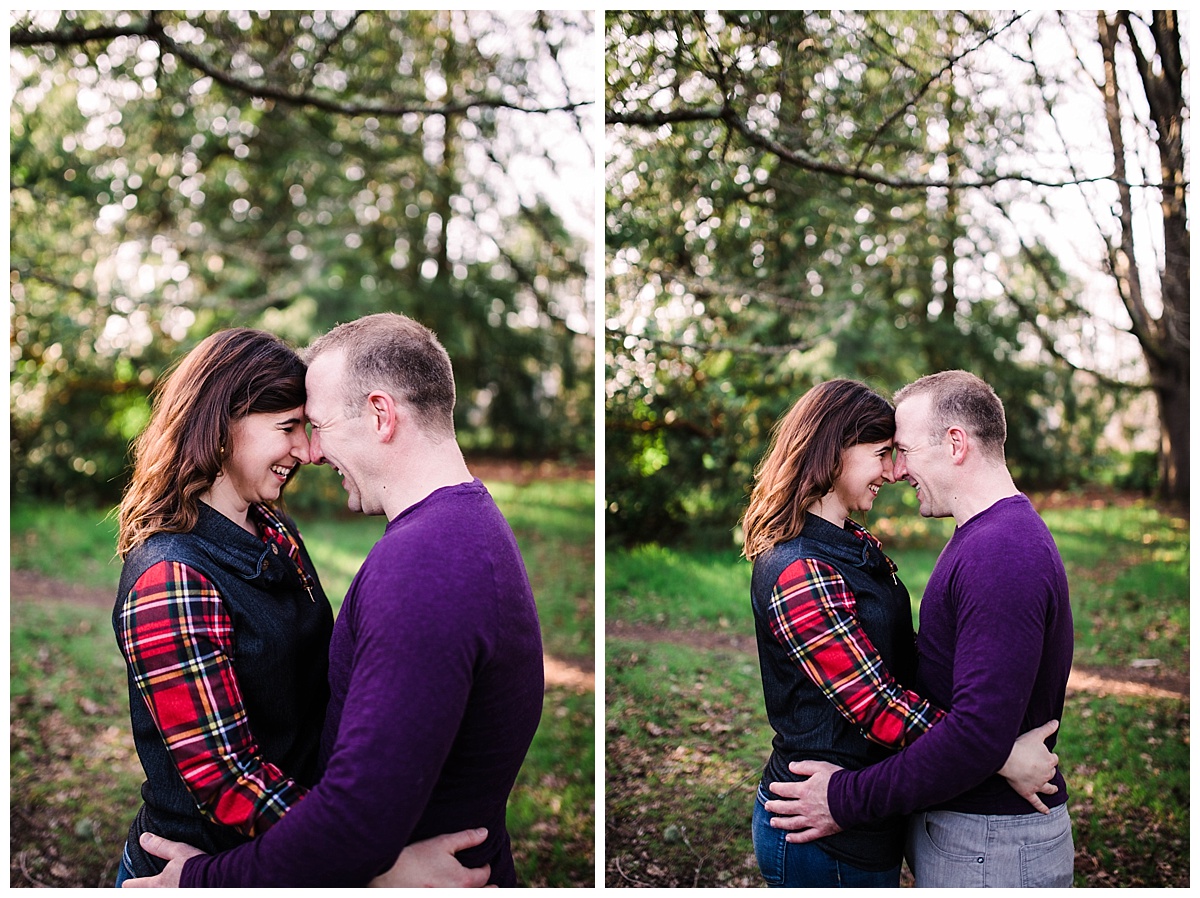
(24, 37)
(803, 161)
(755, 349)
(154, 30)
(950, 63)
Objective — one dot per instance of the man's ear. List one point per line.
(960, 440)
(385, 414)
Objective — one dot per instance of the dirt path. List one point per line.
(27, 586)
(1152, 682)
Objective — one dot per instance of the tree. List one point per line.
(1157, 51)
(174, 173)
(797, 195)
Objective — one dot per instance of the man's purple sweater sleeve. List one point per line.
(989, 642)
(396, 731)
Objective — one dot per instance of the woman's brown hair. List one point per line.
(805, 457)
(229, 375)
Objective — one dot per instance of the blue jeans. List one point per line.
(785, 865)
(125, 870)
(947, 849)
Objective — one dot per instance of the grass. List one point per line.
(671, 587)
(78, 546)
(1130, 790)
(684, 739)
(74, 776)
(687, 736)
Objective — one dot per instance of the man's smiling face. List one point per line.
(917, 461)
(337, 438)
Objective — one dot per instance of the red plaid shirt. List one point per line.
(813, 615)
(177, 638)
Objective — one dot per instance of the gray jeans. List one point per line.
(947, 849)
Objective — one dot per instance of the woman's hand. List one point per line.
(431, 864)
(1031, 766)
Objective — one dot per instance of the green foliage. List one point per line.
(350, 163)
(1137, 471)
(749, 260)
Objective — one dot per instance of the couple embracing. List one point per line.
(887, 745)
(282, 748)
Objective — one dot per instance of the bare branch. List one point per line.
(70, 37)
(154, 30)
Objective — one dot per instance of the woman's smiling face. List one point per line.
(865, 468)
(265, 448)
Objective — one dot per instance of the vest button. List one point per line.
(266, 564)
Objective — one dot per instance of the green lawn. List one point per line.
(74, 776)
(686, 734)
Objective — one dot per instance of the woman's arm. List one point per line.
(176, 638)
(431, 863)
(1031, 766)
(813, 615)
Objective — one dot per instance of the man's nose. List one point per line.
(315, 456)
(900, 468)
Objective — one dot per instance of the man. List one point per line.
(435, 664)
(994, 648)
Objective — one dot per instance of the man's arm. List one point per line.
(803, 808)
(430, 863)
(997, 654)
(408, 689)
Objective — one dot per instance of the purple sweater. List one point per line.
(994, 649)
(436, 681)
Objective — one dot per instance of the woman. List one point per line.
(833, 624)
(220, 614)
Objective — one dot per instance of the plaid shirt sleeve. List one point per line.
(813, 615)
(176, 637)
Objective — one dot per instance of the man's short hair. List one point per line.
(400, 356)
(959, 398)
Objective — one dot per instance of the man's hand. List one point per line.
(806, 813)
(1030, 766)
(175, 853)
(432, 864)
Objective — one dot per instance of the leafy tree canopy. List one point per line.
(173, 173)
(794, 196)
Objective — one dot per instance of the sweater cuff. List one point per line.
(835, 795)
(192, 874)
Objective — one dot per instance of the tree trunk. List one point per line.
(1165, 339)
(1171, 386)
